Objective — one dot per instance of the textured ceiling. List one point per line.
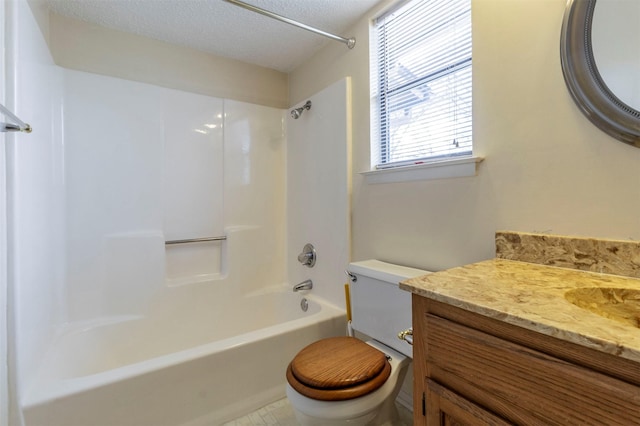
(221, 28)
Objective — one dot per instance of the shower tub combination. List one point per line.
(189, 350)
(216, 363)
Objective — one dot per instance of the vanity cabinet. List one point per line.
(470, 369)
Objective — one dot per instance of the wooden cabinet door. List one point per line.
(446, 408)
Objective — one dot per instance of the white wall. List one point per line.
(87, 47)
(35, 194)
(318, 190)
(546, 167)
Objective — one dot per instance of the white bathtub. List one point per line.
(199, 364)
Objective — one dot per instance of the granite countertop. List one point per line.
(532, 296)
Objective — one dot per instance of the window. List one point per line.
(422, 85)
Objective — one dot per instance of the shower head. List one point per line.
(297, 112)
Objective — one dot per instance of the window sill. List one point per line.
(445, 169)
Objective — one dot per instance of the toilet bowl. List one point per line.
(347, 381)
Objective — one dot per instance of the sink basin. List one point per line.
(619, 304)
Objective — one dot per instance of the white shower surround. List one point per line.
(319, 189)
(100, 155)
(145, 164)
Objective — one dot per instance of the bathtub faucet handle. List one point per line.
(304, 285)
(308, 256)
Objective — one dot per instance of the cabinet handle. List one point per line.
(407, 336)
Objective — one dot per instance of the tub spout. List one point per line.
(304, 285)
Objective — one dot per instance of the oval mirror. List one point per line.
(591, 92)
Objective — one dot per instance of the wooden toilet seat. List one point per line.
(337, 369)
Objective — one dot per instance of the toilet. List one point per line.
(348, 381)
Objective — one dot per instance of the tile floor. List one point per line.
(280, 413)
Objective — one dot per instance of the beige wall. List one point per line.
(546, 168)
(86, 47)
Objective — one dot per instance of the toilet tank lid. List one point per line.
(383, 271)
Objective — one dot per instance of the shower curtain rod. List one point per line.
(11, 127)
(350, 42)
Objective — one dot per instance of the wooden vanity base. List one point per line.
(474, 370)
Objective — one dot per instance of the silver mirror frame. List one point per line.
(585, 84)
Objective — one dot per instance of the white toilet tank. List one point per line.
(379, 308)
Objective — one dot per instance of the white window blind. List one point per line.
(423, 88)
